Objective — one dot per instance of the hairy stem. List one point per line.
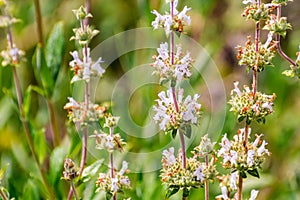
(111, 160)
(240, 188)
(39, 21)
(279, 49)
(206, 182)
(74, 190)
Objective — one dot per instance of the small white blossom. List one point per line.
(249, 1)
(199, 175)
(169, 156)
(269, 40)
(225, 145)
(254, 194)
(250, 157)
(85, 68)
(124, 180)
(124, 168)
(224, 192)
(182, 15)
(171, 20)
(261, 150)
(298, 58)
(168, 117)
(168, 69)
(114, 184)
(233, 180)
(234, 157)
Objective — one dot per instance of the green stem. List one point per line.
(3, 195)
(54, 128)
(39, 23)
(74, 190)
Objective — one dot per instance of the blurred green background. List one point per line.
(217, 25)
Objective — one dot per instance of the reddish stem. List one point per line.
(279, 49)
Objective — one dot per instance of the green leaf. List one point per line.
(56, 163)
(188, 131)
(91, 171)
(186, 192)
(164, 81)
(55, 48)
(174, 133)
(2, 172)
(243, 174)
(254, 173)
(40, 144)
(108, 196)
(31, 191)
(42, 71)
(171, 191)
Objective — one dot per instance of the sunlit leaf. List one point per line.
(55, 48)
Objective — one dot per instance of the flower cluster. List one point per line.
(85, 33)
(173, 21)
(85, 68)
(78, 111)
(256, 60)
(172, 68)
(108, 142)
(243, 157)
(171, 117)
(11, 56)
(194, 175)
(228, 185)
(256, 12)
(115, 184)
(251, 107)
(70, 170)
(279, 26)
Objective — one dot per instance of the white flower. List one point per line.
(114, 184)
(268, 105)
(261, 150)
(168, 20)
(71, 104)
(163, 51)
(224, 192)
(192, 107)
(84, 68)
(233, 180)
(225, 145)
(96, 67)
(124, 168)
(255, 143)
(125, 181)
(234, 157)
(250, 158)
(269, 40)
(182, 15)
(254, 194)
(249, 1)
(169, 156)
(157, 20)
(236, 89)
(199, 175)
(168, 117)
